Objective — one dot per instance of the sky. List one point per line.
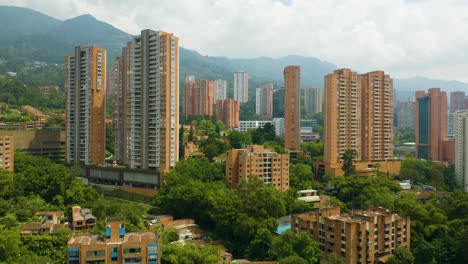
(405, 38)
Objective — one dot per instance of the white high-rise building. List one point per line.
(220, 89)
(461, 147)
(241, 86)
(155, 101)
(278, 123)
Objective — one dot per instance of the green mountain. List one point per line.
(28, 35)
(18, 21)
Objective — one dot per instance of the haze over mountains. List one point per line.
(30, 35)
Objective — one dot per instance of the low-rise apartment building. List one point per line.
(269, 166)
(363, 236)
(116, 246)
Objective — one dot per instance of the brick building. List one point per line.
(359, 237)
(227, 111)
(269, 166)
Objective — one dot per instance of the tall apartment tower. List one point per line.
(431, 124)
(155, 101)
(461, 147)
(342, 119)
(292, 107)
(241, 86)
(404, 114)
(220, 89)
(377, 116)
(85, 85)
(264, 100)
(227, 111)
(358, 116)
(313, 100)
(122, 93)
(278, 103)
(188, 107)
(457, 101)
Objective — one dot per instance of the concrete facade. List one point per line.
(313, 102)
(241, 86)
(264, 100)
(461, 148)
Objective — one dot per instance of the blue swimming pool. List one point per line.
(283, 227)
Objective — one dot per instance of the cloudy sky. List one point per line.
(403, 37)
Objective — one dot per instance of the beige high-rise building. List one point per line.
(227, 111)
(264, 100)
(358, 116)
(292, 107)
(7, 153)
(272, 168)
(313, 102)
(122, 94)
(361, 236)
(155, 101)
(85, 85)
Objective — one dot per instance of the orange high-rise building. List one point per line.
(292, 107)
(270, 167)
(198, 98)
(431, 124)
(227, 111)
(377, 116)
(187, 97)
(85, 85)
(358, 116)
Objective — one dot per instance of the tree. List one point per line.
(259, 246)
(293, 260)
(238, 139)
(402, 255)
(348, 156)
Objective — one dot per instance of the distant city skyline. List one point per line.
(406, 37)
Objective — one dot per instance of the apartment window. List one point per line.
(95, 253)
(132, 250)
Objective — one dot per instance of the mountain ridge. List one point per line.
(44, 38)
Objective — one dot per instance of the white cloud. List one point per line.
(404, 38)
